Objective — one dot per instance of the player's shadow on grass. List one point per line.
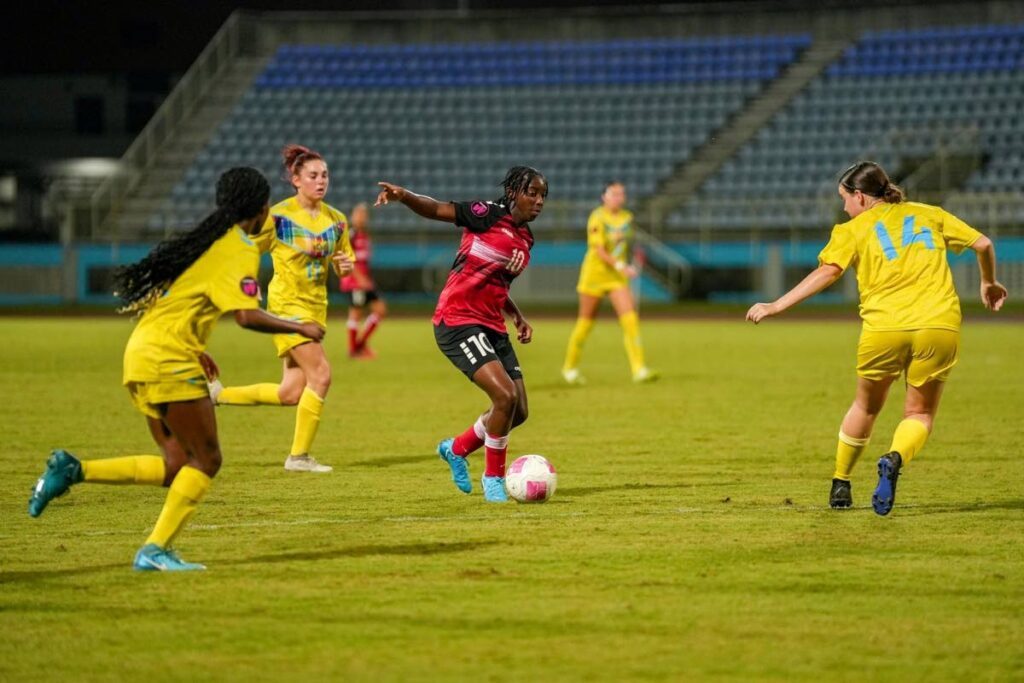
(954, 508)
(392, 460)
(411, 549)
(590, 490)
(41, 574)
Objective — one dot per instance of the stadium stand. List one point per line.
(447, 119)
(902, 98)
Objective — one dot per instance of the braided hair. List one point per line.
(242, 193)
(516, 181)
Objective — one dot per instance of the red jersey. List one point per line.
(494, 250)
(360, 241)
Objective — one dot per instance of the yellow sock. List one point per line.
(307, 420)
(187, 489)
(847, 453)
(252, 395)
(631, 338)
(576, 340)
(909, 438)
(132, 469)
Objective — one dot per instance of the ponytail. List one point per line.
(894, 194)
(871, 179)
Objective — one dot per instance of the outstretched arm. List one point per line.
(258, 320)
(993, 294)
(420, 204)
(820, 278)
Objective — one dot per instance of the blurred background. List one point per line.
(729, 123)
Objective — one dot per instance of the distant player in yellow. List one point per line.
(304, 236)
(606, 271)
(182, 287)
(909, 308)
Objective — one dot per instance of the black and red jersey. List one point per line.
(493, 252)
(363, 250)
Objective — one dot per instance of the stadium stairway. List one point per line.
(721, 146)
(178, 152)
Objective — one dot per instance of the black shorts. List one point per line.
(362, 297)
(469, 347)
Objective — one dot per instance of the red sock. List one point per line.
(353, 336)
(494, 458)
(372, 321)
(471, 439)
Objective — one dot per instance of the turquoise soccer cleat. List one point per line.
(153, 558)
(457, 464)
(62, 471)
(494, 489)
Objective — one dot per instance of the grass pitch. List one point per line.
(689, 539)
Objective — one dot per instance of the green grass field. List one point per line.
(690, 537)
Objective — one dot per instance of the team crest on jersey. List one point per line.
(250, 287)
(479, 208)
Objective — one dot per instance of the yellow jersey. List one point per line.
(301, 247)
(899, 254)
(168, 339)
(614, 232)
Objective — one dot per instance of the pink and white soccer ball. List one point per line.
(531, 479)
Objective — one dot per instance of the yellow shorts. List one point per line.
(286, 342)
(600, 287)
(149, 396)
(924, 355)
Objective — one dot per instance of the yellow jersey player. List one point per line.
(304, 236)
(182, 287)
(607, 271)
(910, 312)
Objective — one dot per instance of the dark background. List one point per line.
(96, 37)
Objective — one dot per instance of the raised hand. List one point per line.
(389, 193)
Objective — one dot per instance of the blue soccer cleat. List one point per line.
(153, 558)
(885, 493)
(457, 464)
(494, 489)
(62, 470)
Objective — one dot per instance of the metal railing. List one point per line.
(212, 62)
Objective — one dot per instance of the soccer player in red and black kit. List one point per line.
(469, 323)
(361, 289)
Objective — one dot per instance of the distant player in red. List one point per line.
(360, 287)
(469, 322)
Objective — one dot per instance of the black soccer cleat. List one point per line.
(840, 497)
(889, 466)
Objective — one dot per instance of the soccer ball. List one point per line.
(531, 479)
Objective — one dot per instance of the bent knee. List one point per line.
(505, 399)
(290, 395)
(319, 379)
